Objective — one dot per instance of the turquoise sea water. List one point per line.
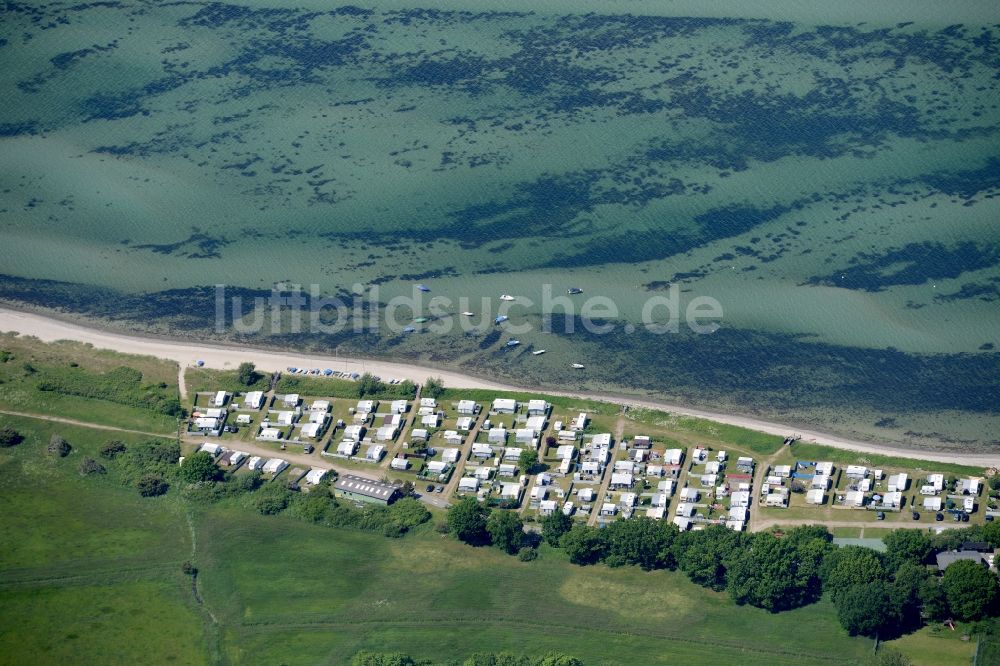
(827, 174)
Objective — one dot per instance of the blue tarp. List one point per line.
(799, 475)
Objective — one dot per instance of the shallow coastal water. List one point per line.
(829, 175)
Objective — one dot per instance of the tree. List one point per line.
(433, 387)
(527, 461)
(368, 385)
(406, 389)
(991, 533)
(554, 526)
(496, 659)
(776, 574)
(933, 602)
(382, 659)
(703, 555)
(91, 466)
(506, 530)
(271, 499)
(247, 374)
(971, 589)
(10, 437)
(59, 446)
(467, 522)
(641, 541)
(198, 467)
(559, 660)
(849, 566)
(865, 609)
(112, 449)
(151, 485)
(906, 546)
(906, 586)
(584, 544)
(527, 553)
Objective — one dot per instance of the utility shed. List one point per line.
(360, 489)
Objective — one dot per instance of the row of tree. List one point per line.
(477, 659)
(874, 593)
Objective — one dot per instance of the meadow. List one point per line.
(89, 564)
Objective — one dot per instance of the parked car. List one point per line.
(965, 517)
(308, 448)
(989, 518)
(916, 516)
(939, 517)
(430, 488)
(879, 515)
(440, 489)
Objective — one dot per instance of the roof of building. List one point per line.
(361, 486)
(949, 557)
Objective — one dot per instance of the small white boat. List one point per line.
(513, 343)
(506, 297)
(468, 314)
(578, 366)
(538, 352)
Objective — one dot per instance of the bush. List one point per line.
(467, 521)
(122, 385)
(247, 374)
(10, 437)
(189, 569)
(433, 388)
(112, 449)
(271, 499)
(527, 554)
(91, 466)
(151, 485)
(59, 446)
(199, 467)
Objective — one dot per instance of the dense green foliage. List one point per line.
(10, 437)
(367, 658)
(467, 522)
(122, 385)
(777, 573)
(554, 526)
(971, 589)
(247, 374)
(199, 466)
(58, 446)
(365, 387)
(151, 485)
(906, 546)
(506, 531)
(864, 609)
(527, 461)
(432, 388)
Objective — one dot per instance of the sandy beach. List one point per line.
(229, 356)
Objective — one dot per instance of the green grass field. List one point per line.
(91, 573)
(27, 362)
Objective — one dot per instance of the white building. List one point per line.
(399, 406)
(673, 456)
(386, 433)
(505, 405)
(465, 423)
(321, 406)
(601, 440)
(856, 471)
(348, 447)
(255, 463)
(621, 480)
(365, 407)
(467, 407)
(451, 455)
(580, 422)
(430, 420)
(375, 453)
(814, 496)
(497, 435)
(419, 434)
(354, 432)
(898, 482)
(286, 418)
(480, 450)
(784, 471)
(547, 507)
(452, 437)
(399, 463)
(689, 494)
(684, 509)
(269, 434)
(274, 466)
(538, 407)
(854, 498)
(291, 400)
(315, 476)
(219, 400)
(932, 503)
(311, 430)
(253, 400)
(468, 484)
(566, 451)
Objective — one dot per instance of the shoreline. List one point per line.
(227, 356)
